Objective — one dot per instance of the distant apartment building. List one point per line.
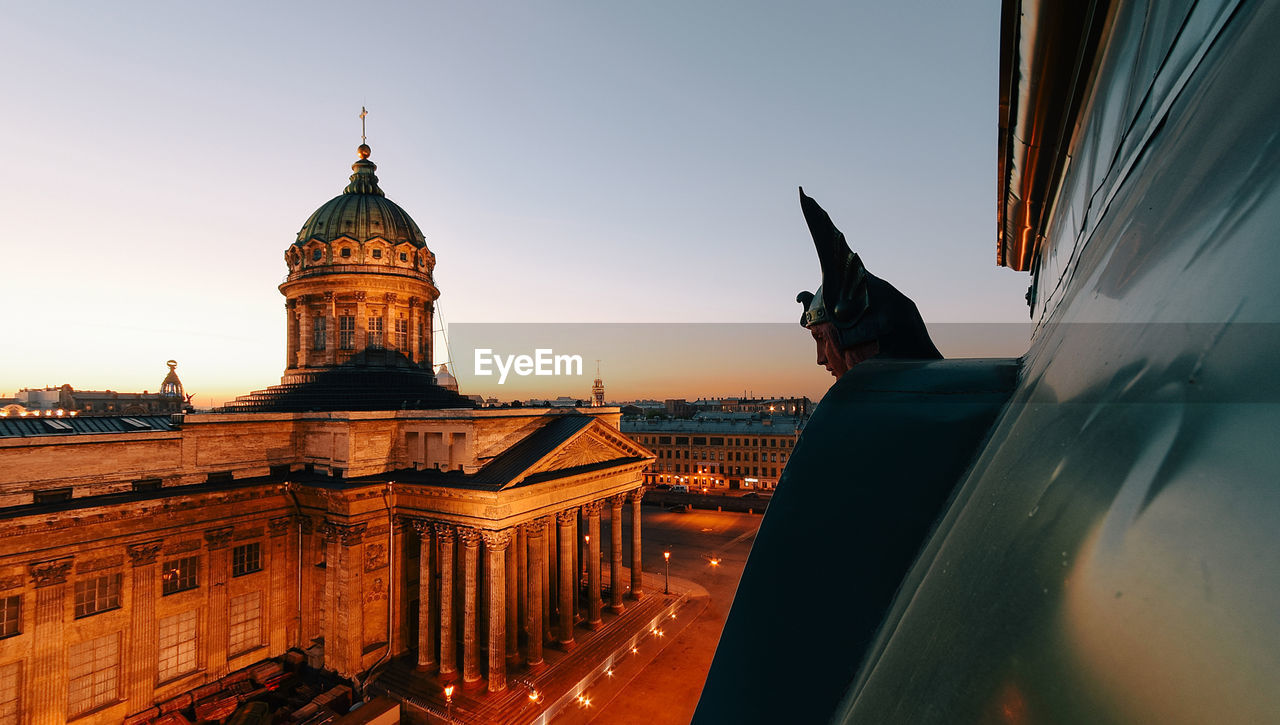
(717, 450)
(792, 406)
(66, 400)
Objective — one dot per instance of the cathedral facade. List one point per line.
(355, 512)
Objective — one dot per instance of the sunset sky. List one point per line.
(589, 162)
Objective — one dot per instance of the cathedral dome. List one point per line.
(361, 212)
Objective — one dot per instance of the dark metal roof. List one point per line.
(30, 426)
(352, 388)
(518, 458)
(362, 212)
(506, 468)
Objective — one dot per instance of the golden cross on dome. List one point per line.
(363, 113)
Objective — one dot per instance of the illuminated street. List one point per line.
(667, 690)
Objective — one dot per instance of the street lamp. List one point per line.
(666, 563)
(448, 702)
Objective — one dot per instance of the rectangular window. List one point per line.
(97, 595)
(402, 334)
(375, 333)
(94, 674)
(178, 645)
(10, 616)
(53, 495)
(246, 630)
(377, 254)
(422, 339)
(181, 574)
(319, 332)
(246, 559)
(147, 484)
(10, 690)
(347, 332)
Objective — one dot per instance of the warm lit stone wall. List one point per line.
(336, 559)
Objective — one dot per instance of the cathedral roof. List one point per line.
(361, 212)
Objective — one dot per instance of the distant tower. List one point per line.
(597, 389)
(172, 386)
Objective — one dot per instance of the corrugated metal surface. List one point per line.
(11, 427)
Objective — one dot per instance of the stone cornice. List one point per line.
(148, 509)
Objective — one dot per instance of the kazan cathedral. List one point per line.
(354, 516)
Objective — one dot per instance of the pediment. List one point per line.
(596, 443)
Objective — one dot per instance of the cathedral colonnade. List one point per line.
(487, 600)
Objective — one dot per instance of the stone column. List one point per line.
(576, 557)
(426, 636)
(331, 329)
(362, 323)
(522, 582)
(398, 594)
(412, 352)
(308, 558)
(291, 333)
(496, 546)
(304, 332)
(217, 541)
(592, 512)
(565, 520)
(470, 580)
(535, 533)
(512, 568)
(48, 686)
(615, 546)
(549, 578)
(448, 651)
(637, 586)
(280, 620)
(140, 678)
(344, 611)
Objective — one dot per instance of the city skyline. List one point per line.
(602, 165)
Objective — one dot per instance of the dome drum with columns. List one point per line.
(360, 291)
(359, 308)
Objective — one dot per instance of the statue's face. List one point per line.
(835, 360)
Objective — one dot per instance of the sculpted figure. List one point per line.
(854, 315)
